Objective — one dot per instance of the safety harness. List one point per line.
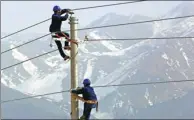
(56, 37)
(86, 101)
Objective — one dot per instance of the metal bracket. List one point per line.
(71, 12)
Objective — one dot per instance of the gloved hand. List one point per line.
(70, 11)
(79, 88)
(72, 89)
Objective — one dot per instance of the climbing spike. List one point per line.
(86, 38)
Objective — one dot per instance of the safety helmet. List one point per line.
(86, 81)
(56, 8)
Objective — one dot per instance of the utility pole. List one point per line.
(74, 73)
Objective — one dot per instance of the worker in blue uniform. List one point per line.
(88, 95)
(55, 27)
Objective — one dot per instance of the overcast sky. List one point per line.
(16, 15)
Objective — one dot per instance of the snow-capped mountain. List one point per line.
(31, 108)
(181, 108)
(184, 9)
(128, 62)
(127, 31)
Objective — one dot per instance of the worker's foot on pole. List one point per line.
(73, 41)
(67, 48)
(82, 117)
(66, 57)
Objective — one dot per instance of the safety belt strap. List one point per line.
(87, 101)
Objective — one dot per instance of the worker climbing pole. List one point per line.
(89, 98)
(74, 77)
(55, 28)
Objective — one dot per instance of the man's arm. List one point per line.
(64, 18)
(61, 18)
(65, 11)
(78, 91)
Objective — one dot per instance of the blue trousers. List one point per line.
(87, 111)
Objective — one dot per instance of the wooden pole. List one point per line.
(74, 74)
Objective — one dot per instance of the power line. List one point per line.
(96, 40)
(130, 23)
(34, 96)
(119, 85)
(33, 58)
(128, 39)
(107, 5)
(115, 25)
(145, 83)
(29, 59)
(25, 43)
(24, 29)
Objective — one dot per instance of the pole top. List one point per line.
(72, 19)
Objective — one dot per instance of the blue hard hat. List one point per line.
(56, 8)
(86, 81)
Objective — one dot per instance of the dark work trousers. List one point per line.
(61, 35)
(59, 44)
(87, 111)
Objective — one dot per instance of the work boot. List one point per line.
(66, 57)
(82, 117)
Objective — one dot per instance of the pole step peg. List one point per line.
(67, 48)
(73, 41)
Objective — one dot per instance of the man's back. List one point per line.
(57, 21)
(88, 93)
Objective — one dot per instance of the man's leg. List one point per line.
(66, 42)
(83, 117)
(66, 35)
(68, 38)
(87, 112)
(59, 45)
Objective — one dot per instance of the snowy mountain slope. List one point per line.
(31, 108)
(114, 63)
(141, 74)
(127, 31)
(183, 9)
(169, 62)
(162, 110)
